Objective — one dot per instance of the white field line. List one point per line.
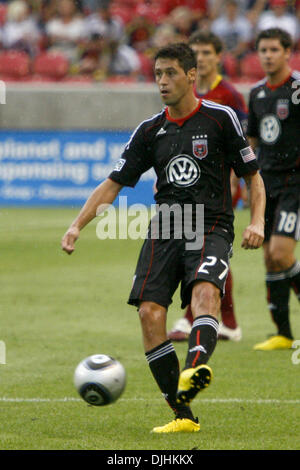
(258, 401)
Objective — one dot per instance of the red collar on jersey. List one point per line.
(181, 121)
(274, 87)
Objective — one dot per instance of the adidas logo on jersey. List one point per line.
(162, 131)
(261, 94)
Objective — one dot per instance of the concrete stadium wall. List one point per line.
(41, 106)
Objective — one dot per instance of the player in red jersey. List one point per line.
(211, 85)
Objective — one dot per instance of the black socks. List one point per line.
(278, 295)
(164, 366)
(202, 340)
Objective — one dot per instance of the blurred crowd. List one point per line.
(108, 40)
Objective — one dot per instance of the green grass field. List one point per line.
(55, 310)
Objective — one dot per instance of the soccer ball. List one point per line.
(100, 379)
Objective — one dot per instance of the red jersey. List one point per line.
(224, 93)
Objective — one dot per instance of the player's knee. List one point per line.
(277, 259)
(206, 299)
(151, 315)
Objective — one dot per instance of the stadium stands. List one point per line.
(14, 65)
(51, 65)
(140, 20)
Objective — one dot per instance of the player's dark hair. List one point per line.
(181, 52)
(284, 37)
(201, 37)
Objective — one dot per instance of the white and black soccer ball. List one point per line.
(100, 379)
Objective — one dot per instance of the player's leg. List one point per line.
(280, 263)
(205, 304)
(164, 365)
(229, 328)
(282, 268)
(156, 279)
(207, 287)
(196, 375)
(160, 353)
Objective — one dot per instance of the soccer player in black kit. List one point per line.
(192, 144)
(273, 128)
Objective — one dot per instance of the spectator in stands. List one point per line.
(279, 17)
(182, 19)
(20, 31)
(89, 6)
(139, 32)
(164, 34)
(104, 23)
(124, 61)
(248, 8)
(255, 9)
(94, 58)
(103, 59)
(234, 29)
(199, 7)
(67, 30)
(45, 11)
(120, 58)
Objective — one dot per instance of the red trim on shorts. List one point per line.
(148, 272)
(202, 251)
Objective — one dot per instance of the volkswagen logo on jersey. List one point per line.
(182, 171)
(270, 129)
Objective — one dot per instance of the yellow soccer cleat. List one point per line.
(192, 381)
(178, 425)
(273, 343)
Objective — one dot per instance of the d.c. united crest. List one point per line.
(200, 148)
(282, 109)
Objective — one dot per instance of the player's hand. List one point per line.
(69, 239)
(253, 237)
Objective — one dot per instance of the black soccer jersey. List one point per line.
(274, 118)
(192, 158)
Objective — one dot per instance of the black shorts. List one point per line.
(163, 264)
(282, 216)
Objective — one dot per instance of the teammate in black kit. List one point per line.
(192, 145)
(273, 127)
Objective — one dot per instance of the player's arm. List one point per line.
(253, 141)
(253, 235)
(103, 195)
(244, 163)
